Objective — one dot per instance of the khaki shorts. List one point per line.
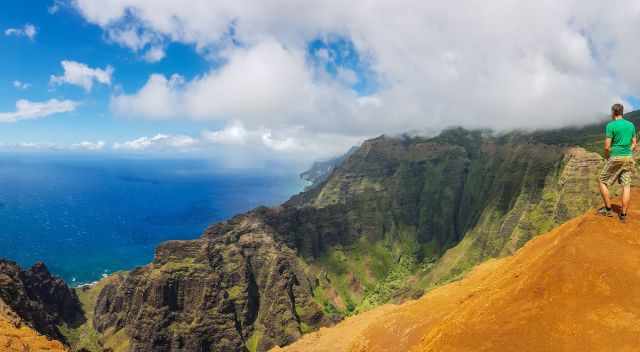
(619, 169)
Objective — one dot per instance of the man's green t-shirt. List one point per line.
(621, 132)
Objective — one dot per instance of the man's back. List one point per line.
(621, 132)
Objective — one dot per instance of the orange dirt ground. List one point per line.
(24, 339)
(576, 288)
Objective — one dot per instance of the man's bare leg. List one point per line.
(626, 198)
(604, 191)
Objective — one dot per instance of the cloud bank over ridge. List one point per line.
(501, 64)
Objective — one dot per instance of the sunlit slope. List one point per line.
(18, 337)
(576, 288)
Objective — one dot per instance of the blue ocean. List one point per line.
(86, 218)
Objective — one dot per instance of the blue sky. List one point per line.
(62, 33)
(299, 80)
(65, 35)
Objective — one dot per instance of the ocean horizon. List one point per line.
(89, 217)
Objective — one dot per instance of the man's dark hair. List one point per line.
(617, 110)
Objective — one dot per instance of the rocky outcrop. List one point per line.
(235, 289)
(38, 299)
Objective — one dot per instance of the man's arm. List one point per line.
(634, 143)
(607, 147)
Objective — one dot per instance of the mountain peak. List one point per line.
(574, 288)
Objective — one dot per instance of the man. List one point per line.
(619, 165)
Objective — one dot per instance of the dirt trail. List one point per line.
(576, 288)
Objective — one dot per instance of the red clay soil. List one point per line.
(576, 288)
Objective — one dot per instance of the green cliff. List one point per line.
(395, 218)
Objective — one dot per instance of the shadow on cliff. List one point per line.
(41, 300)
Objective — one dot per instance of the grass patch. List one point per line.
(305, 328)
(254, 341)
(235, 292)
(85, 337)
(116, 342)
(185, 266)
(365, 274)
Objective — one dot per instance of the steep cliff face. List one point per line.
(573, 289)
(402, 215)
(235, 289)
(38, 299)
(396, 217)
(538, 190)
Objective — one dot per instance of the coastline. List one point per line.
(83, 230)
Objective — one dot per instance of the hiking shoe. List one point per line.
(623, 218)
(605, 212)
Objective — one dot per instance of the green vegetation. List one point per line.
(391, 286)
(183, 266)
(401, 216)
(116, 342)
(364, 275)
(85, 337)
(305, 328)
(425, 211)
(254, 341)
(235, 292)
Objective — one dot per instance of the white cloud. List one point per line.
(154, 54)
(31, 146)
(28, 110)
(55, 7)
(501, 64)
(347, 76)
(265, 85)
(294, 142)
(280, 144)
(132, 37)
(157, 99)
(237, 145)
(48, 146)
(80, 74)
(235, 134)
(89, 146)
(21, 85)
(139, 40)
(159, 142)
(28, 30)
